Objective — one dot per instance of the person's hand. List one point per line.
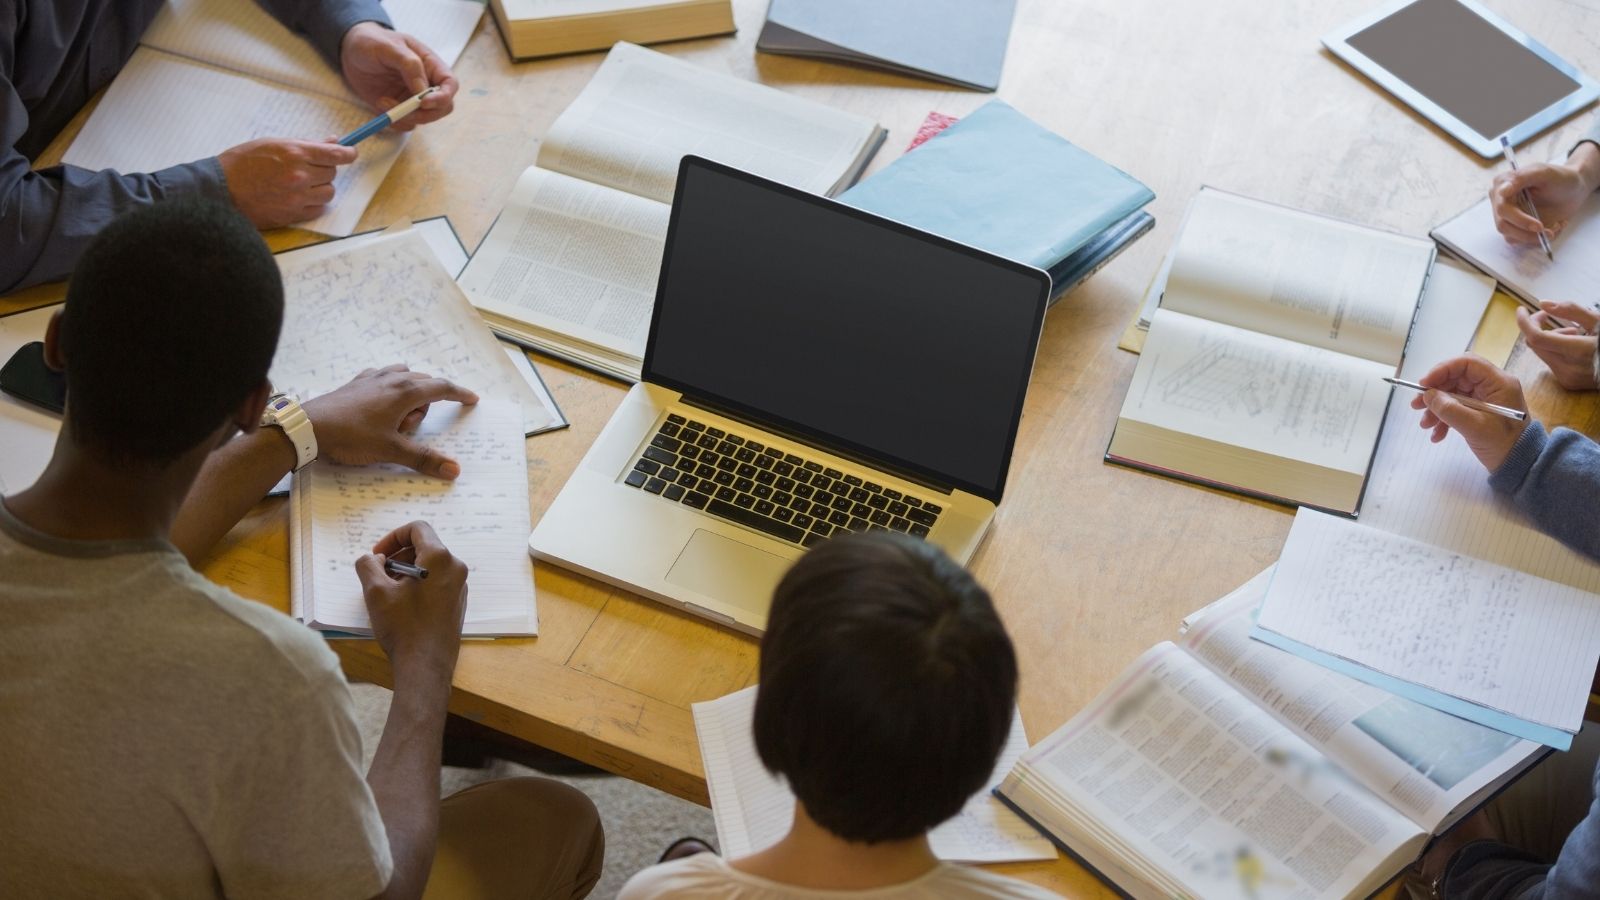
(417, 621)
(385, 67)
(1556, 191)
(1489, 436)
(366, 421)
(279, 182)
(1568, 351)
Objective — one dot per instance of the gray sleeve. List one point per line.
(324, 22)
(47, 217)
(1554, 479)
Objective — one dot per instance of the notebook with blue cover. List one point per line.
(999, 181)
(962, 42)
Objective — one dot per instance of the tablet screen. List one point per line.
(1466, 65)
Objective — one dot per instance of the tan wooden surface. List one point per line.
(1090, 564)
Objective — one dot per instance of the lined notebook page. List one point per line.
(163, 110)
(1439, 494)
(385, 300)
(482, 517)
(754, 809)
(240, 35)
(1471, 629)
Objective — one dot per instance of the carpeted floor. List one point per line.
(639, 821)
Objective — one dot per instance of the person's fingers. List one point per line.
(1584, 316)
(413, 419)
(403, 59)
(394, 367)
(369, 568)
(319, 175)
(329, 154)
(424, 459)
(430, 550)
(319, 195)
(421, 392)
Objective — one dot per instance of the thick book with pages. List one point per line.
(1263, 369)
(549, 27)
(212, 74)
(1218, 766)
(570, 266)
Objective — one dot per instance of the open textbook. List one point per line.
(1220, 767)
(1479, 640)
(754, 808)
(1263, 369)
(1526, 271)
(570, 266)
(212, 74)
(337, 513)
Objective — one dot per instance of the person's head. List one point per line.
(171, 320)
(887, 686)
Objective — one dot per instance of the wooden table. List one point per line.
(1090, 564)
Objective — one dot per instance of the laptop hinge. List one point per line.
(820, 447)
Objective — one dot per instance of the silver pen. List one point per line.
(1472, 402)
(1527, 202)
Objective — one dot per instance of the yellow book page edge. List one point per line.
(1498, 333)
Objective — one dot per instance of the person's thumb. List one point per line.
(426, 460)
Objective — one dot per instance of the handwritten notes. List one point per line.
(1471, 629)
(754, 809)
(382, 301)
(339, 512)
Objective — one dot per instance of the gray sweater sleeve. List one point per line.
(1554, 479)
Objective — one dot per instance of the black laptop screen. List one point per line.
(859, 333)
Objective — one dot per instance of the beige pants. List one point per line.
(1538, 812)
(514, 839)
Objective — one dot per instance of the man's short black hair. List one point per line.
(171, 320)
(887, 686)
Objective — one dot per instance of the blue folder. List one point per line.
(999, 181)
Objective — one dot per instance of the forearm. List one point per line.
(233, 480)
(1555, 480)
(324, 22)
(405, 779)
(48, 217)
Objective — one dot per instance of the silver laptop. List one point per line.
(812, 370)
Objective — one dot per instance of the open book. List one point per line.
(754, 809)
(1479, 640)
(212, 74)
(1218, 766)
(570, 266)
(1263, 369)
(337, 513)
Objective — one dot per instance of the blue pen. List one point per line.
(384, 120)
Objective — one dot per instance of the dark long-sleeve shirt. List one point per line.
(54, 55)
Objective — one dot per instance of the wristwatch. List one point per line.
(284, 412)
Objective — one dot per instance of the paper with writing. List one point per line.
(340, 512)
(1471, 629)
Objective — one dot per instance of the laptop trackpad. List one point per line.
(732, 572)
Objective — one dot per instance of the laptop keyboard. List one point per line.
(791, 498)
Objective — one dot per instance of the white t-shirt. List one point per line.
(708, 876)
(161, 737)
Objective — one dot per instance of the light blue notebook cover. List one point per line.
(998, 181)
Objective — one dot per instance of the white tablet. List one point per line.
(1469, 71)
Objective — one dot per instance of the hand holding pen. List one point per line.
(1562, 334)
(1527, 201)
(1477, 400)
